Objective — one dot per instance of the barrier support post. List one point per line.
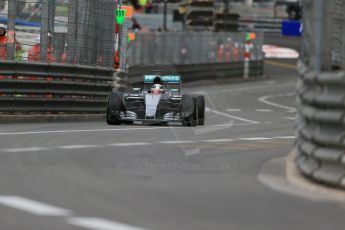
(248, 45)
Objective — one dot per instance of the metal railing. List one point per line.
(32, 87)
(260, 24)
(216, 72)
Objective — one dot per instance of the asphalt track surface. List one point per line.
(94, 176)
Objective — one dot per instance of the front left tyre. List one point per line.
(114, 108)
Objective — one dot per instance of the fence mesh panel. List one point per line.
(190, 48)
(65, 31)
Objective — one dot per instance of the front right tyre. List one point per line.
(189, 115)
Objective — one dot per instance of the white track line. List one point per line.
(265, 100)
(233, 110)
(79, 131)
(129, 144)
(263, 110)
(229, 125)
(287, 137)
(21, 150)
(32, 206)
(218, 140)
(177, 142)
(99, 224)
(255, 138)
(289, 118)
(231, 116)
(78, 146)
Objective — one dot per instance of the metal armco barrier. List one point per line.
(34, 87)
(217, 72)
(267, 25)
(321, 126)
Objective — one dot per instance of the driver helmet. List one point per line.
(157, 80)
(157, 89)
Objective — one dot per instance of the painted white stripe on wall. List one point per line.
(32, 206)
(100, 224)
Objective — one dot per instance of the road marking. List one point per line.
(129, 144)
(265, 100)
(233, 110)
(214, 128)
(263, 110)
(191, 152)
(32, 206)
(78, 146)
(218, 140)
(287, 137)
(275, 175)
(79, 131)
(177, 142)
(99, 224)
(239, 89)
(255, 138)
(231, 116)
(290, 118)
(20, 150)
(229, 125)
(280, 64)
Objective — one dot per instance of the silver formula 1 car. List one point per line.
(159, 102)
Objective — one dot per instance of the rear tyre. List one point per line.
(188, 111)
(114, 108)
(200, 105)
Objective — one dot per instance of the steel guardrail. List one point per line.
(321, 126)
(217, 72)
(35, 87)
(266, 25)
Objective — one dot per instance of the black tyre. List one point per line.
(188, 111)
(200, 105)
(114, 108)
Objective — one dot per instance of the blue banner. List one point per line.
(292, 28)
